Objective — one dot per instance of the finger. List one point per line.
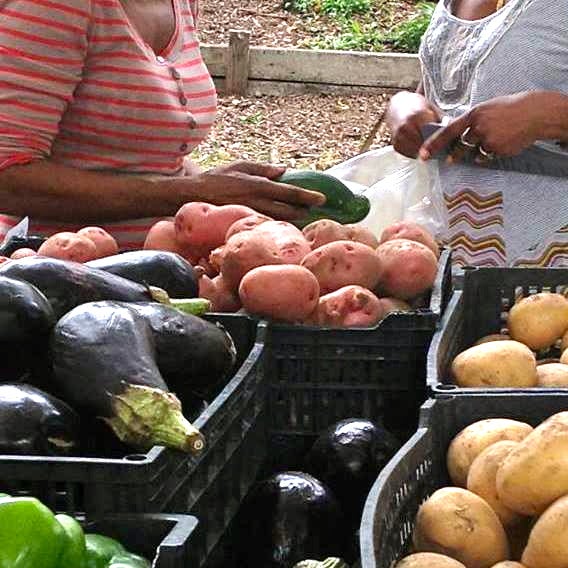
(270, 171)
(277, 209)
(291, 194)
(444, 137)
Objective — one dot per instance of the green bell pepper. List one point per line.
(100, 550)
(75, 549)
(30, 537)
(128, 561)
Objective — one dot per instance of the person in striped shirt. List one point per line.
(497, 70)
(101, 101)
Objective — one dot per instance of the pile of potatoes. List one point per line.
(536, 325)
(327, 274)
(508, 506)
(88, 243)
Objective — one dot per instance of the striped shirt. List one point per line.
(79, 85)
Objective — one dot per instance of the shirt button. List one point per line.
(183, 147)
(175, 74)
(183, 100)
(191, 120)
(160, 59)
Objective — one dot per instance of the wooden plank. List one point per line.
(391, 70)
(237, 75)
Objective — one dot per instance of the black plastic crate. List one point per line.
(419, 468)
(160, 480)
(162, 539)
(317, 374)
(480, 309)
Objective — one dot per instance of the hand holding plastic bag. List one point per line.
(399, 189)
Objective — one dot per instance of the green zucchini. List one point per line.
(341, 205)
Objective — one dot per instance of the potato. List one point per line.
(409, 268)
(206, 225)
(508, 564)
(393, 305)
(428, 560)
(460, 524)
(343, 263)
(221, 296)
(105, 242)
(492, 337)
(246, 224)
(539, 320)
(361, 235)
(535, 473)
(564, 358)
(552, 375)
(473, 439)
(564, 343)
(162, 236)
(287, 292)
(291, 243)
(495, 364)
(245, 251)
(482, 475)
(68, 246)
(22, 253)
(324, 231)
(350, 306)
(412, 232)
(548, 541)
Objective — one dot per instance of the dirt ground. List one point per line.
(301, 131)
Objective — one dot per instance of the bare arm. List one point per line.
(46, 190)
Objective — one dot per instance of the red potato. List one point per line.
(22, 253)
(162, 236)
(104, 242)
(361, 235)
(290, 241)
(205, 225)
(395, 305)
(222, 298)
(412, 232)
(324, 231)
(69, 246)
(287, 292)
(246, 224)
(342, 263)
(245, 251)
(409, 268)
(350, 306)
(4, 259)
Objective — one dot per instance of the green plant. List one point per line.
(334, 8)
(355, 36)
(406, 35)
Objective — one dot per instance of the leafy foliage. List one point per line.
(406, 36)
(334, 8)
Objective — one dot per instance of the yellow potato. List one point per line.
(492, 337)
(548, 542)
(552, 375)
(481, 479)
(508, 564)
(564, 342)
(460, 524)
(539, 320)
(495, 364)
(535, 473)
(564, 357)
(428, 560)
(473, 439)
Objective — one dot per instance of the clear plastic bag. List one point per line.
(399, 189)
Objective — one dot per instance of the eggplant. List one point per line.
(106, 358)
(288, 518)
(166, 270)
(193, 355)
(348, 456)
(67, 284)
(33, 422)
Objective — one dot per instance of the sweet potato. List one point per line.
(246, 224)
(412, 232)
(342, 263)
(245, 251)
(287, 292)
(104, 242)
(206, 225)
(162, 236)
(22, 253)
(350, 306)
(291, 243)
(409, 268)
(69, 246)
(222, 298)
